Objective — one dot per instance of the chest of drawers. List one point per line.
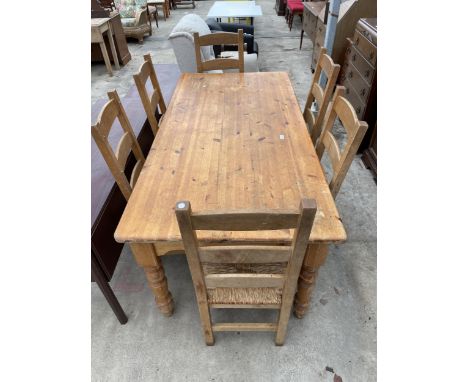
(359, 76)
(314, 25)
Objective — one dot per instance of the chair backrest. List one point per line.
(221, 38)
(340, 159)
(116, 160)
(319, 95)
(155, 99)
(246, 284)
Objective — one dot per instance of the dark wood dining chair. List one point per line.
(340, 159)
(320, 95)
(245, 276)
(220, 38)
(153, 103)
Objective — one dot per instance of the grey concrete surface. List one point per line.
(339, 330)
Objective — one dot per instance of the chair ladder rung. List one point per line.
(245, 327)
(244, 306)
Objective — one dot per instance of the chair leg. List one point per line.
(291, 19)
(302, 37)
(148, 14)
(156, 16)
(106, 290)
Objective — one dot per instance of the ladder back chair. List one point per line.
(221, 38)
(245, 276)
(155, 99)
(340, 159)
(319, 95)
(117, 160)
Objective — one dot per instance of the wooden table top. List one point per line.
(97, 22)
(229, 141)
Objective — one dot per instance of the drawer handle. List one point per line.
(363, 92)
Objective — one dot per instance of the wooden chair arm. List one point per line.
(141, 17)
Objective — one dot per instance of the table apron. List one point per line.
(176, 247)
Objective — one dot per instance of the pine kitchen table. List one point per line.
(228, 141)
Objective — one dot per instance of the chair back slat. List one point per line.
(317, 92)
(326, 63)
(235, 275)
(340, 159)
(136, 173)
(116, 161)
(246, 254)
(218, 38)
(106, 117)
(333, 150)
(123, 149)
(322, 96)
(144, 71)
(222, 38)
(345, 111)
(155, 99)
(221, 64)
(309, 119)
(244, 221)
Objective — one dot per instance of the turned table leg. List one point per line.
(147, 258)
(314, 258)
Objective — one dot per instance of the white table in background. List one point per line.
(235, 9)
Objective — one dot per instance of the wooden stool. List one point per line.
(98, 27)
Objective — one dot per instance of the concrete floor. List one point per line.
(340, 329)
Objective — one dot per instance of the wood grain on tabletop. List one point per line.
(230, 141)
